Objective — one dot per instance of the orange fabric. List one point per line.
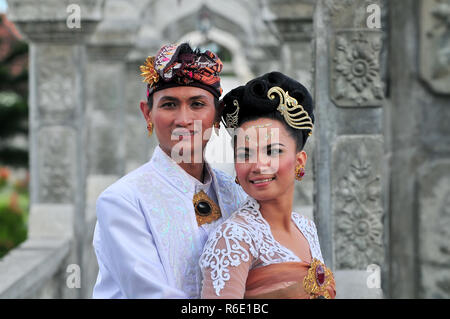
(262, 280)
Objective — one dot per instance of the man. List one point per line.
(153, 222)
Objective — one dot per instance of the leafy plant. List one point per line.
(14, 203)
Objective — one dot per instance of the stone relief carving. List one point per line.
(56, 83)
(355, 69)
(56, 172)
(435, 44)
(434, 230)
(334, 6)
(358, 209)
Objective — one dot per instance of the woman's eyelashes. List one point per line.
(246, 156)
(274, 151)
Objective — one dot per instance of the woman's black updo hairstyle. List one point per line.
(254, 102)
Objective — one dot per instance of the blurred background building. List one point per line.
(378, 175)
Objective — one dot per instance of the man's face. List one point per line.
(173, 114)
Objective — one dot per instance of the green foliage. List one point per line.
(13, 103)
(14, 205)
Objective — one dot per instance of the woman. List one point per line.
(264, 250)
(152, 223)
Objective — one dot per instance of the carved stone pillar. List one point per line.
(106, 109)
(418, 129)
(291, 22)
(349, 142)
(57, 110)
(139, 145)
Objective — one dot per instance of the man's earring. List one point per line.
(299, 172)
(217, 127)
(150, 128)
(236, 181)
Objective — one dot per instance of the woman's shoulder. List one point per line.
(309, 230)
(243, 224)
(304, 221)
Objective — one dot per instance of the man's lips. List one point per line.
(183, 134)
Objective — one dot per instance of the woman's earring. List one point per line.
(299, 172)
(150, 128)
(236, 181)
(217, 127)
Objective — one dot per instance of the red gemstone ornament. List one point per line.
(320, 275)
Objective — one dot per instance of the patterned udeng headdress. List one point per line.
(178, 65)
(269, 93)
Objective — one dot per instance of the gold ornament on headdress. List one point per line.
(232, 118)
(299, 120)
(148, 71)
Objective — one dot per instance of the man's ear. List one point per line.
(146, 111)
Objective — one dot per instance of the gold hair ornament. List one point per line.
(148, 71)
(298, 120)
(232, 118)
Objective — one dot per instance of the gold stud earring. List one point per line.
(299, 172)
(150, 128)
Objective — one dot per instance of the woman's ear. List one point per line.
(301, 158)
(146, 111)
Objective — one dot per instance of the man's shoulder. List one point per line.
(126, 186)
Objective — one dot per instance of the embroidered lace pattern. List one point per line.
(246, 237)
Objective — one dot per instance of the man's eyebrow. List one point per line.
(196, 97)
(168, 98)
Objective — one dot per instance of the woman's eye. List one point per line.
(242, 155)
(274, 152)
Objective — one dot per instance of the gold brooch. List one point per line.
(148, 71)
(206, 210)
(318, 278)
(299, 120)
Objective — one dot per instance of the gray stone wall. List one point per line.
(418, 131)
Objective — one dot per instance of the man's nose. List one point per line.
(184, 117)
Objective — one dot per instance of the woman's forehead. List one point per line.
(262, 132)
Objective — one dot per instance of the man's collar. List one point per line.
(177, 176)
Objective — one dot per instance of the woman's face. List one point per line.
(265, 159)
(173, 114)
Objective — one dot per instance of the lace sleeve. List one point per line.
(226, 261)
